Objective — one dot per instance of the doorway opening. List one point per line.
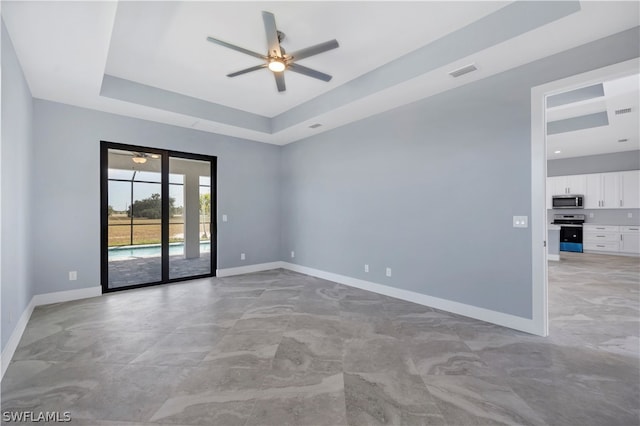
(540, 197)
(158, 221)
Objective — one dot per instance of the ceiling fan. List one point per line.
(136, 157)
(276, 59)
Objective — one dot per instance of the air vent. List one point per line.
(623, 111)
(315, 126)
(623, 140)
(464, 70)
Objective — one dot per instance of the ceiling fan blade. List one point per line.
(314, 50)
(309, 72)
(237, 48)
(272, 34)
(244, 71)
(280, 81)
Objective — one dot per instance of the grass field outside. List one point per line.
(148, 231)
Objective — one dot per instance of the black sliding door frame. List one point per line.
(165, 155)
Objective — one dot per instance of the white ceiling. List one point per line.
(155, 45)
(618, 94)
(66, 49)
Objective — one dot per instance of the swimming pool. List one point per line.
(151, 250)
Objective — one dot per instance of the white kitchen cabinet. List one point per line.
(611, 190)
(630, 239)
(602, 191)
(592, 196)
(562, 185)
(621, 239)
(605, 238)
(577, 184)
(629, 189)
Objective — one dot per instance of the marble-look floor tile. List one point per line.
(181, 349)
(465, 400)
(523, 359)
(129, 393)
(447, 357)
(61, 346)
(279, 347)
(212, 396)
(41, 386)
(118, 347)
(304, 358)
(315, 402)
(246, 349)
(392, 398)
(565, 402)
(261, 321)
(377, 355)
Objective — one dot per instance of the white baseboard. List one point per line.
(37, 300)
(553, 257)
(494, 317)
(66, 296)
(14, 339)
(248, 269)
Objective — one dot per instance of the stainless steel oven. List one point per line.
(570, 231)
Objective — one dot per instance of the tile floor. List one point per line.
(280, 348)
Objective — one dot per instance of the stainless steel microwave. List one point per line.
(567, 201)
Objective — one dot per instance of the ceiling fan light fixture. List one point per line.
(277, 65)
(139, 160)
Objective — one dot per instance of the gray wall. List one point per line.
(66, 196)
(613, 162)
(16, 167)
(429, 189)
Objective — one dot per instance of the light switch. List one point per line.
(224, 217)
(520, 221)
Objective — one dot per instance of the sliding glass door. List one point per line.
(190, 225)
(158, 216)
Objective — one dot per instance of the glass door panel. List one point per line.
(190, 218)
(134, 218)
(156, 216)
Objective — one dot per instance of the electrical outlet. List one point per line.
(629, 215)
(73, 275)
(388, 272)
(591, 215)
(242, 256)
(293, 254)
(366, 268)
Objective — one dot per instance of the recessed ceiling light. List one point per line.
(623, 140)
(557, 152)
